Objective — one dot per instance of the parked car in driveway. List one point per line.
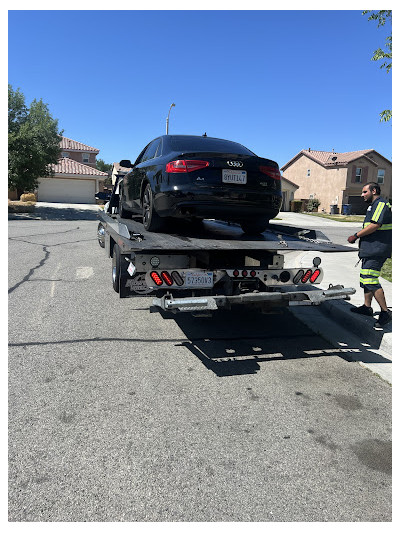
(198, 177)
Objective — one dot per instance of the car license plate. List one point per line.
(199, 279)
(234, 176)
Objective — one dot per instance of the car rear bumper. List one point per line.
(218, 205)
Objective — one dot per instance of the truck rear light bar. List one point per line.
(270, 277)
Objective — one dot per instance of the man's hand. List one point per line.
(352, 239)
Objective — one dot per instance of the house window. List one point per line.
(64, 154)
(358, 175)
(85, 158)
(309, 172)
(381, 176)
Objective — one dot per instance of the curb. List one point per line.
(362, 327)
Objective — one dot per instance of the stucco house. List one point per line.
(76, 179)
(288, 190)
(117, 172)
(337, 178)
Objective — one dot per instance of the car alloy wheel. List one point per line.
(151, 220)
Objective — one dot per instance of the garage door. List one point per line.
(66, 191)
(358, 206)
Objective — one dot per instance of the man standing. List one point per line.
(375, 248)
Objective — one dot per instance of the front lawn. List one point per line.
(386, 272)
(339, 218)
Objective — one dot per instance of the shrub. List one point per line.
(297, 205)
(20, 207)
(313, 204)
(28, 197)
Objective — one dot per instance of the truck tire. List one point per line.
(151, 220)
(116, 267)
(254, 227)
(100, 235)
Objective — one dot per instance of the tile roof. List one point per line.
(328, 159)
(75, 146)
(66, 165)
(118, 168)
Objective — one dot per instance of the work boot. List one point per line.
(362, 310)
(384, 318)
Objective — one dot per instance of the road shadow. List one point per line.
(53, 213)
(361, 326)
(236, 343)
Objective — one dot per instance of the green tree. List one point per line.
(383, 17)
(102, 166)
(105, 167)
(33, 142)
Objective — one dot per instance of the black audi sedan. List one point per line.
(199, 177)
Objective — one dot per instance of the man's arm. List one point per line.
(373, 226)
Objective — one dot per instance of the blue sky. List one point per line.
(276, 81)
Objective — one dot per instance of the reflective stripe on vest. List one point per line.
(378, 211)
(383, 227)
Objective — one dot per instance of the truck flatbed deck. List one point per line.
(216, 235)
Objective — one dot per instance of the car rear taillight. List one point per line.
(272, 172)
(315, 275)
(185, 165)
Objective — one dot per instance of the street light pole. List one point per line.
(170, 107)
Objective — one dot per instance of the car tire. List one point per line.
(116, 267)
(254, 226)
(151, 220)
(123, 213)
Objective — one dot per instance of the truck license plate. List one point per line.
(199, 279)
(234, 176)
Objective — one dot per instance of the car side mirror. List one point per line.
(126, 163)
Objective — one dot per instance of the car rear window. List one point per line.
(206, 144)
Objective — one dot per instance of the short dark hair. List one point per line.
(374, 185)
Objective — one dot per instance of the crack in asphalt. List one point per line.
(32, 270)
(44, 234)
(183, 339)
(51, 245)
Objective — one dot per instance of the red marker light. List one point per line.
(167, 278)
(315, 275)
(306, 276)
(156, 278)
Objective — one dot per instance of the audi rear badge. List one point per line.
(237, 164)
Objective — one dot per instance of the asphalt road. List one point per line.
(116, 414)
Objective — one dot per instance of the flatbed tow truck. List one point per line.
(213, 265)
